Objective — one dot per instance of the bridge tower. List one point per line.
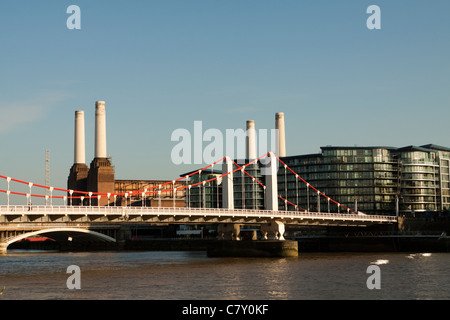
(275, 229)
(228, 231)
(227, 184)
(271, 176)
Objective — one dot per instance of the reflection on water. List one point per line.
(380, 261)
(192, 275)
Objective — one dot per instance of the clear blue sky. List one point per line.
(160, 65)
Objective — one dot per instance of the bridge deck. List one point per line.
(40, 214)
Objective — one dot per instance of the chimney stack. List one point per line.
(79, 172)
(279, 125)
(80, 151)
(251, 140)
(100, 130)
(101, 173)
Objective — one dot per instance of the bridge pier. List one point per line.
(229, 231)
(270, 231)
(123, 235)
(3, 247)
(273, 231)
(268, 248)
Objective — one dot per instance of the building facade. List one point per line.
(153, 198)
(366, 179)
(361, 178)
(424, 177)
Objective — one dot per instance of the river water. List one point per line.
(192, 275)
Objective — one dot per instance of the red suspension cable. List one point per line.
(312, 187)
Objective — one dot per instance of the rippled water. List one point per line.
(192, 275)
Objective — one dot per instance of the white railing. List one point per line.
(212, 212)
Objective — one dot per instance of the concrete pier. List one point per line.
(229, 231)
(259, 248)
(3, 248)
(273, 231)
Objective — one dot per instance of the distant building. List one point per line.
(364, 178)
(153, 198)
(424, 176)
(100, 176)
(209, 194)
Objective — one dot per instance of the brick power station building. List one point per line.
(99, 177)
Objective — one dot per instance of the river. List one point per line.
(192, 275)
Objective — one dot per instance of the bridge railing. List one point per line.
(97, 210)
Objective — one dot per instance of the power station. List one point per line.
(99, 177)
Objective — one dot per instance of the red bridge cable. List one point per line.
(246, 165)
(105, 194)
(322, 194)
(292, 204)
(172, 182)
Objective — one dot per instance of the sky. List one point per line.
(160, 65)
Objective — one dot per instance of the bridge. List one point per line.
(105, 222)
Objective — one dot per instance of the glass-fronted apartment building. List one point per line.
(368, 179)
(207, 194)
(362, 178)
(424, 176)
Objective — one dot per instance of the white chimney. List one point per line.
(251, 140)
(100, 130)
(279, 125)
(80, 151)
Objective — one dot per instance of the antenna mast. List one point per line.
(47, 174)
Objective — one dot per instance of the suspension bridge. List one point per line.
(59, 215)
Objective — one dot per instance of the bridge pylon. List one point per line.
(227, 183)
(271, 174)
